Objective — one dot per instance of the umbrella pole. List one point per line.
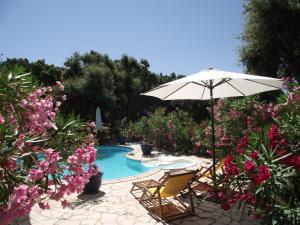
(213, 135)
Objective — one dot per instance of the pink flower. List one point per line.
(72, 159)
(1, 119)
(197, 145)
(221, 195)
(64, 203)
(59, 85)
(235, 170)
(35, 174)
(243, 143)
(225, 206)
(263, 172)
(20, 193)
(10, 164)
(34, 192)
(44, 165)
(44, 205)
(249, 166)
(227, 164)
(52, 156)
(254, 155)
(64, 98)
(210, 152)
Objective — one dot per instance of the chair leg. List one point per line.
(191, 201)
(160, 206)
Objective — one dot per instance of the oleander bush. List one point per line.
(264, 169)
(173, 132)
(37, 146)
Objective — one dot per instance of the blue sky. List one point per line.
(181, 36)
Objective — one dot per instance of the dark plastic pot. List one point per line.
(121, 140)
(146, 149)
(92, 187)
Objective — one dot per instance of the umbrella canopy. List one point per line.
(98, 119)
(224, 84)
(213, 83)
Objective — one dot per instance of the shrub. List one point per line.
(37, 145)
(264, 169)
(172, 132)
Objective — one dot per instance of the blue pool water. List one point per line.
(114, 164)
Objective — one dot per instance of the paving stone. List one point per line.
(225, 220)
(234, 223)
(68, 222)
(89, 222)
(106, 217)
(207, 221)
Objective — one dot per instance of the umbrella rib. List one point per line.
(235, 88)
(194, 82)
(203, 93)
(176, 90)
(222, 82)
(262, 83)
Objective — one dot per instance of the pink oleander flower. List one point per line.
(64, 203)
(10, 164)
(210, 152)
(34, 192)
(64, 98)
(254, 155)
(19, 143)
(197, 145)
(44, 205)
(72, 159)
(263, 172)
(51, 155)
(19, 193)
(1, 119)
(225, 206)
(243, 143)
(221, 195)
(59, 85)
(35, 174)
(44, 164)
(249, 166)
(235, 170)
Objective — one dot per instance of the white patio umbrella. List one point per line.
(98, 119)
(213, 83)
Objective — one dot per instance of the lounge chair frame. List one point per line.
(160, 207)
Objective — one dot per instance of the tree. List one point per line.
(271, 38)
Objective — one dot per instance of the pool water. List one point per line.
(113, 162)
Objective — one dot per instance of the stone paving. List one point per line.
(114, 205)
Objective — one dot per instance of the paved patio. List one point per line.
(114, 205)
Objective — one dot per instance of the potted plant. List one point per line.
(92, 187)
(146, 147)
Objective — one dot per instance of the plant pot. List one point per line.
(146, 149)
(92, 187)
(121, 140)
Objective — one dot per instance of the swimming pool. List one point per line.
(113, 162)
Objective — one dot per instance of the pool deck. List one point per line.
(114, 205)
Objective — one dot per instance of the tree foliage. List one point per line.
(271, 38)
